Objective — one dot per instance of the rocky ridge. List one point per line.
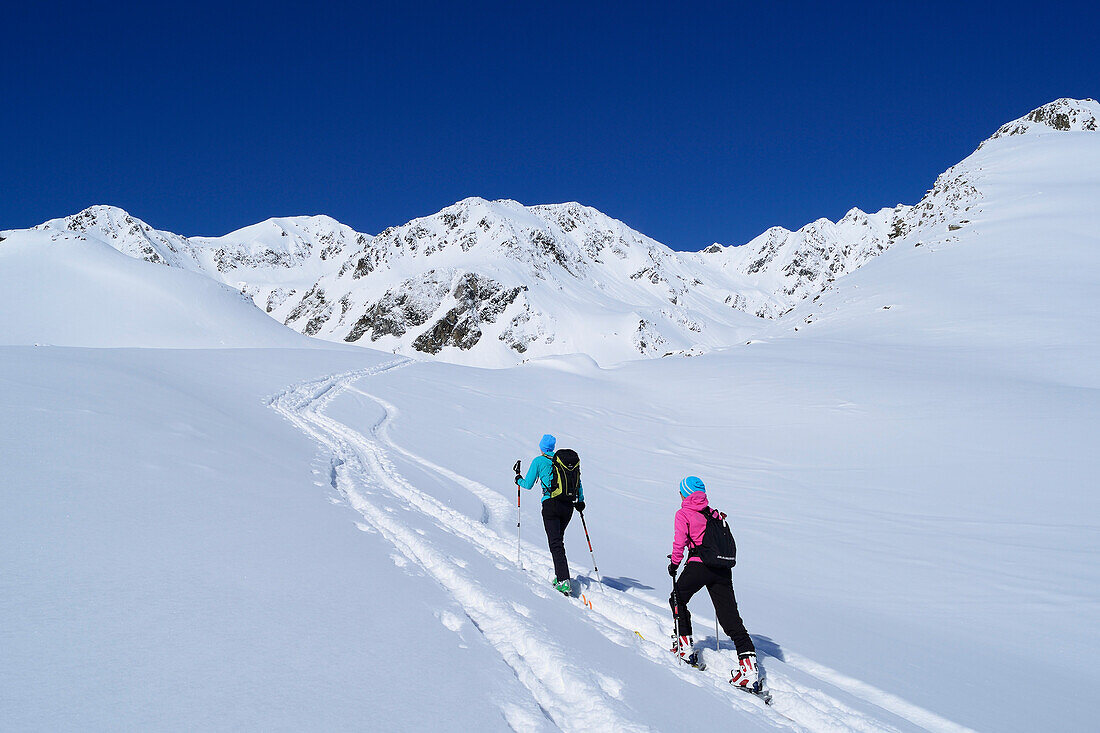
(1061, 115)
(781, 268)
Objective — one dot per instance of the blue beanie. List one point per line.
(546, 445)
(690, 485)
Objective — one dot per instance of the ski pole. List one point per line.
(519, 528)
(595, 569)
(676, 616)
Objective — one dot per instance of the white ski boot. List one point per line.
(684, 648)
(747, 677)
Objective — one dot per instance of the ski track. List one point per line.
(571, 696)
(568, 694)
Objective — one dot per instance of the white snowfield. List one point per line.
(61, 288)
(249, 529)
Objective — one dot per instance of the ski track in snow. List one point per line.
(570, 695)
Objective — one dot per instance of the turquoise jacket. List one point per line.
(542, 468)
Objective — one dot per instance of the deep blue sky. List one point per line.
(692, 124)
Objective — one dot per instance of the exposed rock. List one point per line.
(478, 300)
(648, 340)
(1062, 115)
(406, 306)
(314, 305)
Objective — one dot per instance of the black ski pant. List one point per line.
(719, 583)
(556, 514)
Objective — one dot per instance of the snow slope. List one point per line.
(168, 561)
(370, 470)
(999, 264)
(67, 289)
(914, 524)
(205, 581)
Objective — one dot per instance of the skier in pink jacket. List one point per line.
(690, 525)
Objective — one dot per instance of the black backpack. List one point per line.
(566, 479)
(718, 548)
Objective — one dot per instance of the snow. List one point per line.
(877, 496)
(234, 531)
(169, 560)
(68, 290)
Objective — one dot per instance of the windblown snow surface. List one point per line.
(325, 538)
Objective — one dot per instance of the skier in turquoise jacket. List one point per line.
(556, 510)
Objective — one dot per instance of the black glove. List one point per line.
(518, 479)
(672, 568)
(580, 506)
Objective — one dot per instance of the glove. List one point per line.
(580, 506)
(518, 479)
(672, 568)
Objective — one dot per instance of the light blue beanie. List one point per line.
(546, 445)
(690, 485)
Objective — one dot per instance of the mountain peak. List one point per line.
(97, 214)
(125, 232)
(1061, 115)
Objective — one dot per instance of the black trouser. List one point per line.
(719, 583)
(556, 514)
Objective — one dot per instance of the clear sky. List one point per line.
(692, 122)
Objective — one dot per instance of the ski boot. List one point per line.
(563, 586)
(684, 648)
(747, 676)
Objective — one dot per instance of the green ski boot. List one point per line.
(564, 586)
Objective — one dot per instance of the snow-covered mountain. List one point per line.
(1004, 239)
(495, 282)
(129, 235)
(1061, 115)
(780, 268)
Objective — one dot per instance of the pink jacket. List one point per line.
(690, 524)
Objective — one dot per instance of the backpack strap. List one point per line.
(556, 479)
(691, 544)
(546, 487)
(707, 513)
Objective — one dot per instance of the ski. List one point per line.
(761, 692)
(698, 664)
